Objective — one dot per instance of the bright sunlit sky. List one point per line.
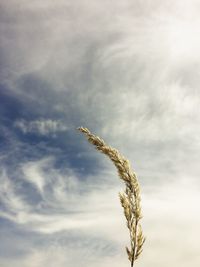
(129, 71)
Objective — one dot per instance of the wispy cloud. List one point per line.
(63, 199)
(41, 126)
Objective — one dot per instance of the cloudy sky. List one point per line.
(129, 71)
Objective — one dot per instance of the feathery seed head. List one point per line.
(130, 199)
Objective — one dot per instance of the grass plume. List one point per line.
(130, 198)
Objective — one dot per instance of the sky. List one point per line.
(127, 70)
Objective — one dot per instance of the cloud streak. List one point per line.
(41, 127)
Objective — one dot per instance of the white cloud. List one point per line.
(61, 206)
(41, 126)
(34, 173)
(13, 202)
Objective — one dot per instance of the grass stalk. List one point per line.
(130, 199)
